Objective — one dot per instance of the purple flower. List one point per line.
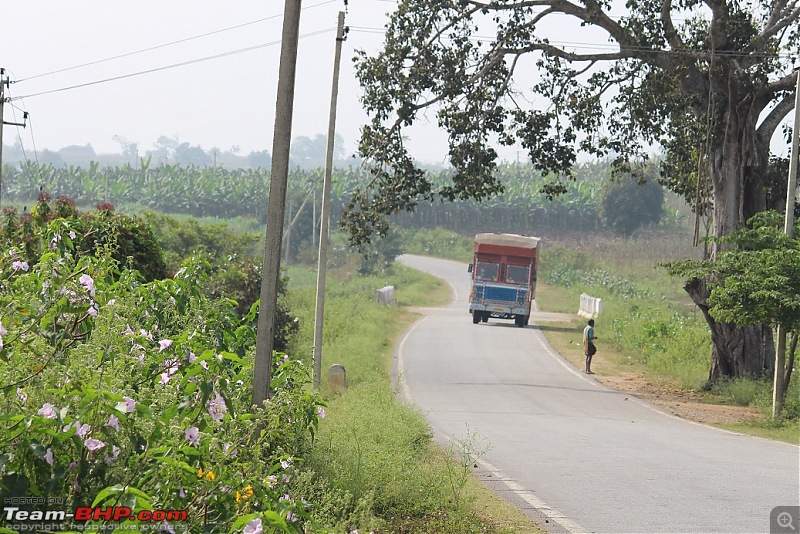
(182, 493)
(128, 331)
(71, 234)
(164, 344)
(253, 527)
(193, 435)
(287, 463)
(48, 456)
(217, 408)
(87, 282)
(127, 406)
(17, 265)
(47, 410)
(113, 422)
(94, 444)
(93, 310)
(146, 334)
(321, 412)
(73, 465)
(192, 357)
(82, 429)
(21, 395)
(3, 330)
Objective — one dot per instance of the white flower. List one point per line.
(47, 410)
(94, 444)
(87, 282)
(127, 406)
(164, 344)
(253, 527)
(193, 435)
(113, 422)
(217, 408)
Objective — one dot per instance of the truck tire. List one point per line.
(519, 320)
(485, 317)
(476, 317)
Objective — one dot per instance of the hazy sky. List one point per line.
(222, 96)
(216, 102)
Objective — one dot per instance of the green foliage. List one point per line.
(671, 79)
(235, 273)
(118, 391)
(758, 282)
(128, 239)
(628, 203)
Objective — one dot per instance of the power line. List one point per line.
(157, 47)
(172, 66)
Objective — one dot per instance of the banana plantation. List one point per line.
(229, 193)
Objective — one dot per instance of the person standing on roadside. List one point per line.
(588, 345)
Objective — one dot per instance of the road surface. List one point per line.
(573, 454)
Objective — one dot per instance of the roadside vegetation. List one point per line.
(649, 325)
(123, 391)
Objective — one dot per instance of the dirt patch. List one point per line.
(685, 404)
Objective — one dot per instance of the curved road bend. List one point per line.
(575, 455)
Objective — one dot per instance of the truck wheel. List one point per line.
(527, 317)
(519, 320)
(485, 317)
(476, 317)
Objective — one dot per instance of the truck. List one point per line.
(503, 277)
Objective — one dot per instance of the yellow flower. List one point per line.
(200, 473)
(210, 475)
(38, 367)
(246, 494)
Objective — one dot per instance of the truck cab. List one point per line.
(503, 277)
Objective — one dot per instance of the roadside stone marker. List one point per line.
(337, 378)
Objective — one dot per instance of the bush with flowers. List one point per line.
(121, 392)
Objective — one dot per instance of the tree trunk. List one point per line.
(736, 352)
(737, 164)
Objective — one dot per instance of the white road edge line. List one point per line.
(552, 514)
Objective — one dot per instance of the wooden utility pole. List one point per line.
(271, 269)
(326, 204)
(791, 194)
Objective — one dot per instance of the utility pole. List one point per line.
(2, 102)
(282, 137)
(326, 204)
(788, 227)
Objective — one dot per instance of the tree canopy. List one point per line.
(709, 81)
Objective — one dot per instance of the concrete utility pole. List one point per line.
(271, 269)
(788, 227)
(326, 204)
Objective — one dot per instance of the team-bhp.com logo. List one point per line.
(14, 515)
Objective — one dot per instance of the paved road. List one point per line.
(573, 454)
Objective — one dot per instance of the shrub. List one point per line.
(118, 391)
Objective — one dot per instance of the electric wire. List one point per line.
(157, 47)
(172, 66)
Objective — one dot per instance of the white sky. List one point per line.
(222, 103)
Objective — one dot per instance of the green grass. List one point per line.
(374, 466)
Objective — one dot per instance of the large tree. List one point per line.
(708, 81)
